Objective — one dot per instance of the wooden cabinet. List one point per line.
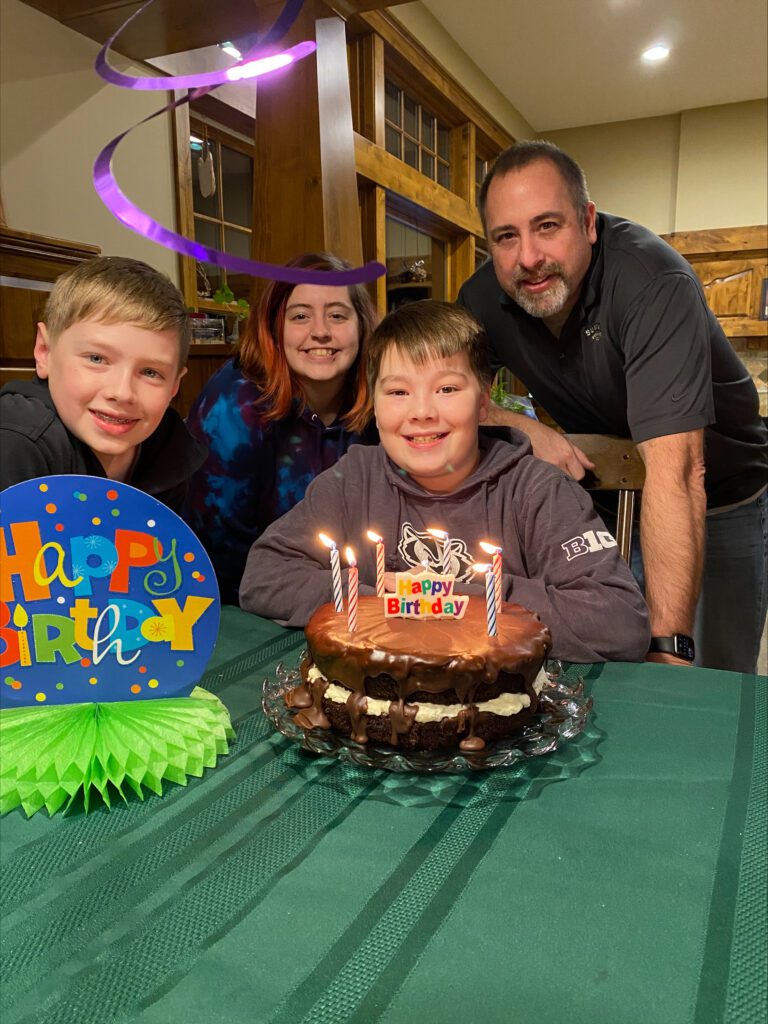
(29, 264)
(732, 265)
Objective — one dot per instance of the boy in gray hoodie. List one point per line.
(429, 382)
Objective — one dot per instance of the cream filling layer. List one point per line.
(505, 704)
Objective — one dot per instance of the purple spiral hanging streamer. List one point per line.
(250, 66)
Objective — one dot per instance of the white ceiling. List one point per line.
(564, 63)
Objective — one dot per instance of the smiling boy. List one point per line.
(429, 377)
(109, 358)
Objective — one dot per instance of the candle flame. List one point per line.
(349, 554)
(374, 537)
(324, 539)
(438, 533)
(490, 549)
(481, 567)
(20, 617)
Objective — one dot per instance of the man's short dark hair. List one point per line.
(521, 154)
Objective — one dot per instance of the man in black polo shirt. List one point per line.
(609, 329)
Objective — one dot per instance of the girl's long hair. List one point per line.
(261, 355)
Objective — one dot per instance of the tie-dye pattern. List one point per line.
(255, 471)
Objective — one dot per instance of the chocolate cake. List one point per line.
(421, 684)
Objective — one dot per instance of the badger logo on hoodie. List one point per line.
(417, 547)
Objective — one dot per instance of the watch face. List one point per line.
(684, 647)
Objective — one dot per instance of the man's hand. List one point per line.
(548, 444)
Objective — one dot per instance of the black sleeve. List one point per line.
(21, 459)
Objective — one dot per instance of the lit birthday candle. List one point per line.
(379, 542)
(338, 601)
(20, 619)
(352, 590)
(490, 597)
(491, 549)
(446, 555)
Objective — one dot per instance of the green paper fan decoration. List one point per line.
(51, 756)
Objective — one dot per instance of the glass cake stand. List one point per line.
(562, 715)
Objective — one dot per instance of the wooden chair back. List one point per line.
(618, 467)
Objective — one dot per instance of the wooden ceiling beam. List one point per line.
(173, 26)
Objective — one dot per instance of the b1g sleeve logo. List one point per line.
(589, 541)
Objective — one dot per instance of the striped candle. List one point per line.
(492, 549)
(490, 597)
(379, 542)
(352, 590)
(338, 601)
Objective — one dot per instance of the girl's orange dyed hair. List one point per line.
(261, 355)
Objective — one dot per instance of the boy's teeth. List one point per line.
(426, 438)
(112, 419)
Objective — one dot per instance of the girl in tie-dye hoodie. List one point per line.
(277, 415)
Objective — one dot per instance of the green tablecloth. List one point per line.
(620, 880)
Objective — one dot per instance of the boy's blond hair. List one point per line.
(426, 330)
(116, 290)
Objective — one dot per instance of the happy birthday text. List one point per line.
(424, 596)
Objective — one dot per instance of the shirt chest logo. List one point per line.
(594, 332)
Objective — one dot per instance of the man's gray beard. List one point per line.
(550, 303)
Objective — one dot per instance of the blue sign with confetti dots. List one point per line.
(105, 595)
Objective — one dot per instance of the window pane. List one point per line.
(201, 204)
(411, 116)
(238, 243)
(443, 142)
(237, 186)
(428, 165)
(480, 168)
(411, 154)
(444, 175)
(391, 102)
(208, 234)
(392, 141)
(427, 130)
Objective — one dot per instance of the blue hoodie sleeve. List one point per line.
(224, 496)
(288, 572)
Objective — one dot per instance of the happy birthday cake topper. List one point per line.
(424, 596)
(105, 595)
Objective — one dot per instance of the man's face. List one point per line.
(539, 246)
(111, 385)
(428, 415)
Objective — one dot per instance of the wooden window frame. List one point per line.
(380, 48)
(188, 123)
(421, 112)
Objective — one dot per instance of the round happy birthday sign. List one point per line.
(105, 595)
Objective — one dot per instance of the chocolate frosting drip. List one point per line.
(357, 706)
(401, 719)
(313, 717)
(299, 697)
(427, 655)
(468, 716)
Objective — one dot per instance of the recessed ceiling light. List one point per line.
(654, 53)
(231, 49)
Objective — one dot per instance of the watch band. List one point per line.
(679, 644)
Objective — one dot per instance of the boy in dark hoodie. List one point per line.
(109, 358)
(430, 380)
